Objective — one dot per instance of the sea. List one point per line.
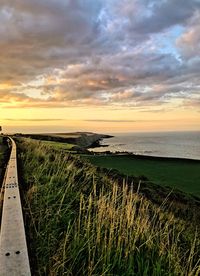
(160, 144)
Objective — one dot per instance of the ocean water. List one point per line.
(162, 144)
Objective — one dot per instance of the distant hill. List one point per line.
(81, 139)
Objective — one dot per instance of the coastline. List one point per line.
(86, 142)
(83, 140)
(141, 156)
(148, 148)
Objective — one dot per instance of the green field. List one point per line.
(182, 174)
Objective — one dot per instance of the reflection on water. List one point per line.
(165, 144)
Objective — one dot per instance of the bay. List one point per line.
(161, 144)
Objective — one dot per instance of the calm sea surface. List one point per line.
(165, 144)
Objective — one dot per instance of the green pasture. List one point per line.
(182, 174)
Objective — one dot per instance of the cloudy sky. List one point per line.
(101, 65)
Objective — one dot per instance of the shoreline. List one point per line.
(141, 156)
(85, 142)
(131, 153)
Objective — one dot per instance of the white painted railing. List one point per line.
(13, 248)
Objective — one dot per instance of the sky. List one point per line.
(99, 65)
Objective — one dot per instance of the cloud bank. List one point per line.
(127, 53)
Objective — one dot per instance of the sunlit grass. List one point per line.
(82, 223)
(58, 145)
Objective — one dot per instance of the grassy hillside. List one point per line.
(176, 173)
(4, 154)
(57, 145)
(80, 139)
(82, 221)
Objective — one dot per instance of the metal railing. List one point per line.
(13, 248)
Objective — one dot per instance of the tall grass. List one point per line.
(80, 222)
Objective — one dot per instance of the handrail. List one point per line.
(13, 248)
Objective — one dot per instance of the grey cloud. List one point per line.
(189, 41)
(95, 51)
(165, 14)
(40, 41)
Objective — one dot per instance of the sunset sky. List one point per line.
(99, 65)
